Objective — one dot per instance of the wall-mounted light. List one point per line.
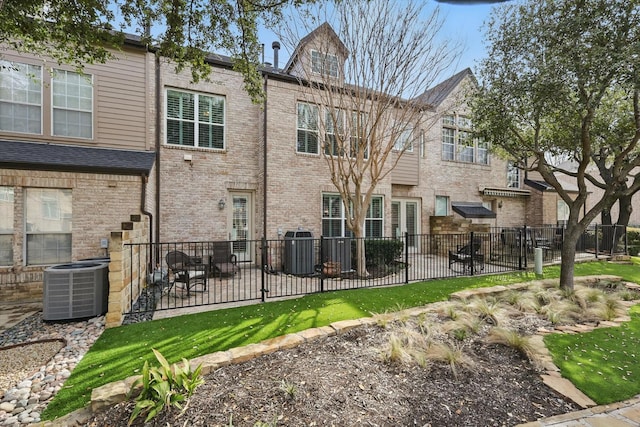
(500, 204)
(221, 203)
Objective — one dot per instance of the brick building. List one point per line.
(81, 154)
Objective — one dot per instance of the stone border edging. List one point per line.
(116, 392)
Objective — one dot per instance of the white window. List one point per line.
(448, 143)
(513, 175)
(334, 217)
(404, 138)
(48, 225)
(307, 128)
(458, 143)
(483, 152)
(442, 206)
(334, 132)
(6, 225)
(195, 120)
(465, 146)
(72, 99)
(20, 97)
(324, 64)
(562, 212)
(338, 138)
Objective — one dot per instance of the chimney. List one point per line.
(276, 49)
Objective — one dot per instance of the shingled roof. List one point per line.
(434, 96)
(70, 158)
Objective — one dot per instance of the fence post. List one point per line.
(471, 253)
(406, 257)
(263, 276)
(523, 246)
(626, 247)
(322, 263)
(597, 242)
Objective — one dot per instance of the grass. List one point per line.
(605, 363)
(120, 352)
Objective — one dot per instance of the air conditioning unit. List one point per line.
(76, 290)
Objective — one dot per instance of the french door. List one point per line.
(405, 218)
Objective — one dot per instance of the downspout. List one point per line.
(265, 248)
(143, 209)
(158, 142)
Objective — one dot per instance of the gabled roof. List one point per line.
(70, 158)
(323, 30)
(437, 94)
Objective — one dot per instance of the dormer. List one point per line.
(319, 56)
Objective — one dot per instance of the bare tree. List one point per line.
(366, 64)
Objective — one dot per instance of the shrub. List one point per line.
(164, 386)
(633, 241)
(378, 252)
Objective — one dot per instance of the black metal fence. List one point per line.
(188, 274)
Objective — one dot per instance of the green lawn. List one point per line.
(121, 352)
(603, 364)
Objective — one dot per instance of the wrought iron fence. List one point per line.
(188, 274)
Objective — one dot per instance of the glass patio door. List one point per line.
(241, 225)
(405, 218)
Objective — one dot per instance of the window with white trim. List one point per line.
(442, 206)
(337, 136)
(307, 128)
(334, 217)
(6, 225)
(20, 97)
(48, 225)
(72, 102)
(562, 212)
(195, 119)
(404, 139)
(324, 64)
(458, 142)
(513, 175)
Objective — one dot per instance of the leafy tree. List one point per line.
(86, 31)
(562, 79)
(368, 107)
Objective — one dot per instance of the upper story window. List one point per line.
(457, 141)
(404, 139)
(513, 175)
(307, 128)
(324, 64)
(195, 120)
(72, 100)
(340, 139)
(20, 97)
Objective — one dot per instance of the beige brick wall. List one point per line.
(99, 204)
(190, 190)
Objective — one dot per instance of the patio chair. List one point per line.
(465, 257)
(188, 270)
(221, 260)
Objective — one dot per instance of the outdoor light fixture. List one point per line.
(221, 203)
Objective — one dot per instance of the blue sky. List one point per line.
(462, 22)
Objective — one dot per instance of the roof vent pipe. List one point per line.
(276, 49)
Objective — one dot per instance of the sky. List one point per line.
(463, 20)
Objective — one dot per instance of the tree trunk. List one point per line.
(568, 259)
(361, 258)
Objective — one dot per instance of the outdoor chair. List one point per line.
(188, 270)
(465, 257)
(221, 260)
